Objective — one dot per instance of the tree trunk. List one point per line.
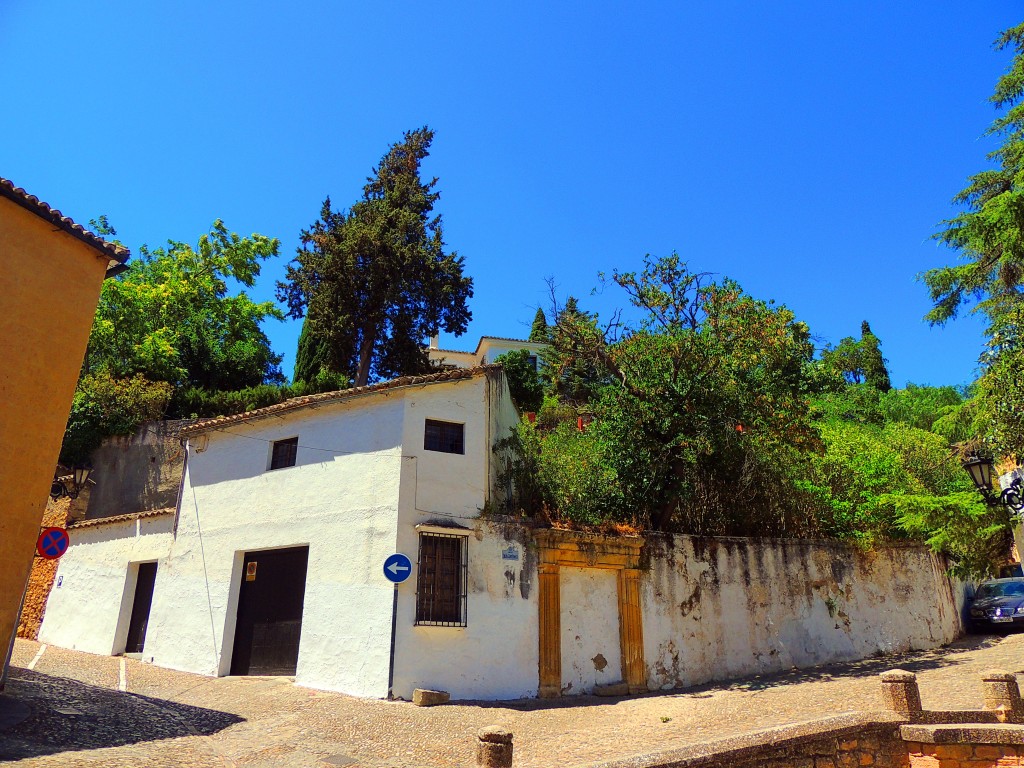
(365, 356)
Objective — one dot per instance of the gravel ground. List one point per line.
(167, 718)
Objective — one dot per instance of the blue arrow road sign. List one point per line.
(397, 568)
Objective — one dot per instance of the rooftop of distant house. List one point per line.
(484, 339)
(117, 254)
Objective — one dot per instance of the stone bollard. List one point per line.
(900, 693)
(1002, 694)
(494, 747)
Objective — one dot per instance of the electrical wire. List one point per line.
(206, 577)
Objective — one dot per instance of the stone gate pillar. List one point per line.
(550, 607)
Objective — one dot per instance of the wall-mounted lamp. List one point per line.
(79, 477)
(980, 470)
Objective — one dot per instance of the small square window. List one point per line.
(444, 436)
(441, 580)
(283, 453)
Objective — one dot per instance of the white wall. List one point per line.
(92, 593)
(492, 349)
(340, 500)
(495, 656)
(720, 608)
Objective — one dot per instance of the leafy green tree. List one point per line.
(539, 330)
(988, 233)
(192, 402)
(105, 406)
(855, 403)
(700, 410)
(171, 318)
(858, 361)
(999, 404)
(374, 281)
(920, 407)
(523, 382)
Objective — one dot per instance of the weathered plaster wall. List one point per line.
(591, 650)
(137, 472)
(90, 602)
(720, 608)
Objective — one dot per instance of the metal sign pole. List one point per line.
(394, 623)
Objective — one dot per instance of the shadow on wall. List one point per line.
(67, 715)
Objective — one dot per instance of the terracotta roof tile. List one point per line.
(33, 204)
(121, 518)
(337, 396)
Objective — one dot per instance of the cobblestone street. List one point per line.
(75, 709)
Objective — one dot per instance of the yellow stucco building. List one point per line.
(51, 271)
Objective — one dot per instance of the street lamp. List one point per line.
(980, 470)
(79, 477)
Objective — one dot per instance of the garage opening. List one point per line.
(269, 622)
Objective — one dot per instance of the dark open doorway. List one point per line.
(140, 608)
(270, 612)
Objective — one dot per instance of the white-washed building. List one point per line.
(272, 562)
(488, 349)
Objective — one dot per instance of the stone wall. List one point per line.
(964, 755)
(139, 472)
(40, 581)
(719, 608)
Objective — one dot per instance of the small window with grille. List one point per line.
(441, 581)
(282, 453)
(444, 436)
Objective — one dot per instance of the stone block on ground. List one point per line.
(424, 697)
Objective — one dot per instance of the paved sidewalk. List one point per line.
(79, 717)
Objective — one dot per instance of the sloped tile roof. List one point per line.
(120, 518)
(33, 204)
(340, 395)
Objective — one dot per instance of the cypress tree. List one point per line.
(375, 280)
(872, 362)
(539, 330)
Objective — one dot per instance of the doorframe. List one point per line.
(124, 614)
(583, 550)
(235, 595)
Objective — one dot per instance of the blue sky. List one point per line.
(806, 149)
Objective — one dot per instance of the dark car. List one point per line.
(998, 604)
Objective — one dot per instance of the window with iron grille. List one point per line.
(441, 583)
(283, 453)
(444, 436)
